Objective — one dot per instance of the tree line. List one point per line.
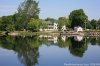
(27, 18)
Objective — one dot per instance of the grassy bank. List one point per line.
(92, 31)
(25, 33)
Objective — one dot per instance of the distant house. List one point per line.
(51, 27)
(78, 29)
(63, 28)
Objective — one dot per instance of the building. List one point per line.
(52, 27)
(78, 29)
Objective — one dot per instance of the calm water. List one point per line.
(49, 50)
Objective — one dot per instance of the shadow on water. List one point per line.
(27, 48)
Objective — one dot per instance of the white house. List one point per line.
(63, 28)
(78, 29)
(51, 27)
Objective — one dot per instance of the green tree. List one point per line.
(98, 24)
(77, 18)
(43, 24)
(88, 25)
(10, 27)
(50, 19)
(93, 23)
(33, 25)
(0, 23)
(63, 21)
(6, 21)
(27, 10)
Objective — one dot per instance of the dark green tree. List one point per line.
(98, 24)
(77, 18)
(77, 48)
(27, 10)
(88, 25)
(7, 23)
(51, 19)
(93, 23)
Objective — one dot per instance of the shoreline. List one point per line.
(25, 33)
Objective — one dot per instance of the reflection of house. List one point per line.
(49, 38)
(63, 28)
(78, 38)
(78, 29)
(51, 27)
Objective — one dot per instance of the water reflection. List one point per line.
(51, 39)
(27, 48)
(78, 38)
(77, 48)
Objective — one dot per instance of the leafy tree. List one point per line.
(98, 24)
(50, 19)
(6, 21)
(88, 25)
(10, 27)
(43, 24)
(33, 25)
(77, 18)
(0, 23)
(63, 21)
(27, 10)
(17, 21)
(93, 23)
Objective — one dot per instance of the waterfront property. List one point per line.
(52, 27)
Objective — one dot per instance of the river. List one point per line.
(46, 50)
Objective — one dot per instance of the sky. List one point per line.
(55, 8)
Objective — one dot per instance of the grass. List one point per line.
(25, 33)
(92, 31)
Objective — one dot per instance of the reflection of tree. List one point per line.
(63, 44)
(29, 57)
(93, 41)
(77, 48)
(26, 48)
(98, 41)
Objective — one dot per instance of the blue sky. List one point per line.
(55, 8)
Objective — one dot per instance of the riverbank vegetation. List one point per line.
(27, 19)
